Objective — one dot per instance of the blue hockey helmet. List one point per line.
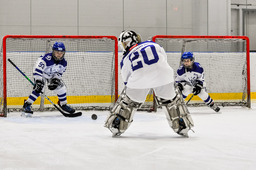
(187, 55)
(58, 46)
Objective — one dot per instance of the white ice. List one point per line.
(49, 141)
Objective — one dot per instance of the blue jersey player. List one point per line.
(48, 70)
(190, 79)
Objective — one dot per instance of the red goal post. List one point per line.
(225, 59)
(91, 76)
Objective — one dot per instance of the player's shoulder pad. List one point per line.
(148, 42)
(48, 59)
(63, 62)
(198, 68)
(181, 70)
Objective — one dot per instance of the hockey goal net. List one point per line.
(226, 63)
(91, 76)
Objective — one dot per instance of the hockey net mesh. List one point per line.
(225, 64)
(89, 78)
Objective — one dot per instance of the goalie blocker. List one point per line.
(177, 114)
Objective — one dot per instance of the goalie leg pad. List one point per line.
(121, 116)
(177, 114)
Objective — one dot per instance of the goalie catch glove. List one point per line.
(198, 87)
(38, 86)
(54, 83)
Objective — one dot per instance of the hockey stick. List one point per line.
(190, 99)
(59, 109)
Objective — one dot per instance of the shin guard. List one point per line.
(121, 115)
(177, 114)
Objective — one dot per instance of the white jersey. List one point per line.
(145, 66)
(46, 67)
(191, 76)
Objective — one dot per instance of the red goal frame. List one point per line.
(4, 114)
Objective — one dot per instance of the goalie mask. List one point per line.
(58, 51)
(187, 59)
(127, 39)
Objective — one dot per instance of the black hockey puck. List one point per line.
(94, 116)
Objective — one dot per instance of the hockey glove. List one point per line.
(197, 89)
(54, 84)
(180, 86)
(38, 86)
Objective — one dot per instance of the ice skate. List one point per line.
(183, 131)
(214, 107)
(67, 108)
(27, 112)
(116, 125)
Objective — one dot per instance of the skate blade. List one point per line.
(184, 135)
(116, 135)
(27, 115)
(184, 132)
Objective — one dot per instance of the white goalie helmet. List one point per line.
(127, 39)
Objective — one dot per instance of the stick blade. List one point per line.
(76, 114)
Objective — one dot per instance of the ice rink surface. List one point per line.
(49, 141)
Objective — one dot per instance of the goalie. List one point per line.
(190, 79)
(144, 66)
(49, 69)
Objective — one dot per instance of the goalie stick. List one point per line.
(76, 114)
